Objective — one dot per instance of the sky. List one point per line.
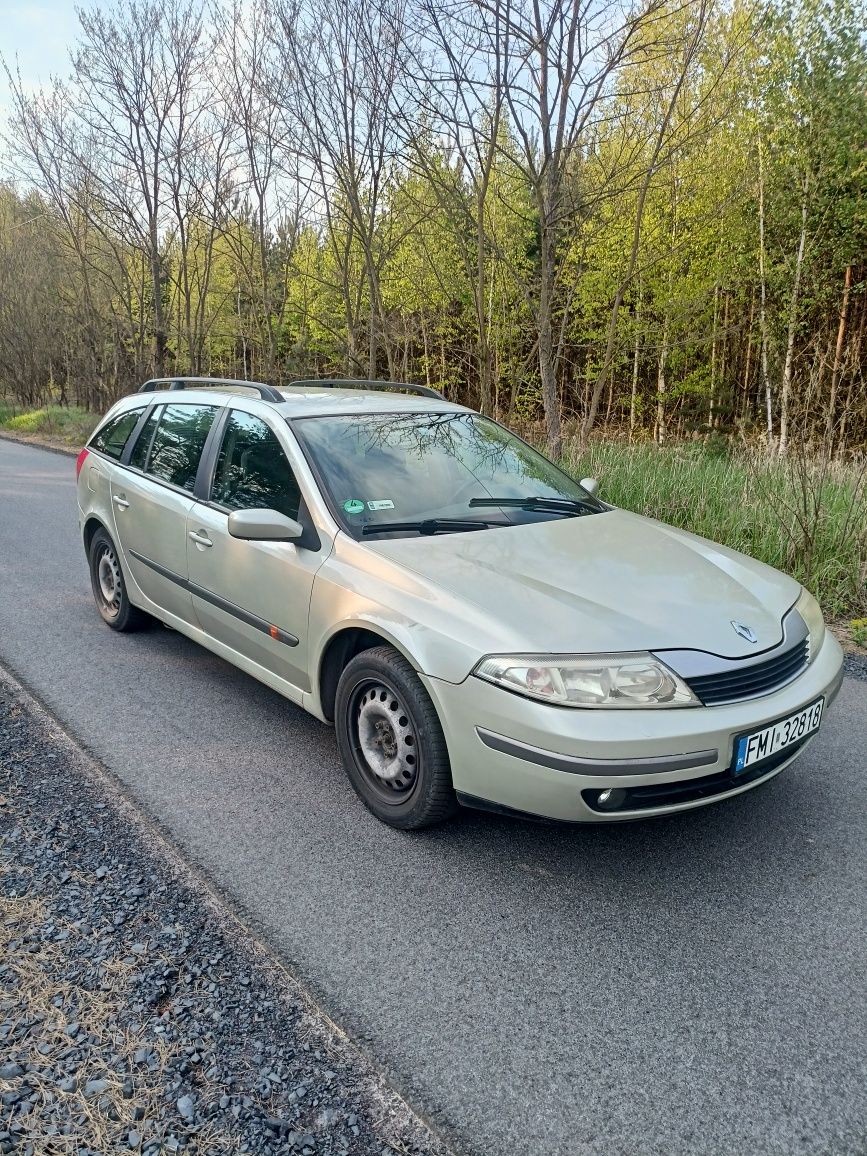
(39, 33)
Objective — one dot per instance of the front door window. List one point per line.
(252, 471)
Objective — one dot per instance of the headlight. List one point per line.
(595, 680)
(811, 612)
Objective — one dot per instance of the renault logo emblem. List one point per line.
(744, 631)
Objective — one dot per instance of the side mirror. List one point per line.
(263, 526)
(591, 485)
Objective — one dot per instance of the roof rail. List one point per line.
(266, 392)
(362, 383)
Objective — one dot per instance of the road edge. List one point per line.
(38, 443)
(218, 906)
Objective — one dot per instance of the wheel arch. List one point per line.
(91, 525)
(340, 648)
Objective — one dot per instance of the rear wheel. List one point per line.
(391, 741)
(109, 588)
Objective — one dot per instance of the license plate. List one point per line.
(752, 749)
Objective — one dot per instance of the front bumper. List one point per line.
(512, 753)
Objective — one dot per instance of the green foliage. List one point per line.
(444, 287)
(748, 504)
(69, 425)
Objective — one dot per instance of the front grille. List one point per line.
(752, 679)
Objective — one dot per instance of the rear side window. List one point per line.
(252, 469)
(139, 455)
(114, 435)
(178, 443)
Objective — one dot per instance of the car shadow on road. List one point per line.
(724, 849)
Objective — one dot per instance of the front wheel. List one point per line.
(109, 588)
(391, 741)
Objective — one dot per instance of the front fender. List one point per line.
(393, 604)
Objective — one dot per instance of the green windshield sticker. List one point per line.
(381, 504)
(353, 506)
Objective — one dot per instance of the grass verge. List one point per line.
(56, 424)
(808, 518)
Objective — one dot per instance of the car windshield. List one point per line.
(427, 473)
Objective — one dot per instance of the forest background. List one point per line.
(635, 232)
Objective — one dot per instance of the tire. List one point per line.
(391, 741)
(109, 587)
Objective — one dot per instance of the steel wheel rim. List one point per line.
(384, 740)
(108, 580)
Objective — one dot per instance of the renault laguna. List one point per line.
(478, 626)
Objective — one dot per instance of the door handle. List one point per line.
(200, 538)
(121, 502)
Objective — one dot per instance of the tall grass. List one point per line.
(68, 425)
(807, 517)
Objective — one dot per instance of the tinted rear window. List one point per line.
(114, 435)
(139, 455)
(178, 443)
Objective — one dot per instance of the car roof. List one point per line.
(312, 402)
(306, 399)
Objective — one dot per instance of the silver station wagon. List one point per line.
(479, 627)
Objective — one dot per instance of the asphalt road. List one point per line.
(686, 986)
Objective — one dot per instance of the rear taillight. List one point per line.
(79, 461)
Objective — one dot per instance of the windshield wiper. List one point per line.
(556, 505)
(428, 526)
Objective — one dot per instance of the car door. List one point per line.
(107, 449)
(253, 596)
(152, 495)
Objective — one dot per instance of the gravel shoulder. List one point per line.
(856, 666)
(136, 1013)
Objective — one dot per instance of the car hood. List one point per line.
(611, 581)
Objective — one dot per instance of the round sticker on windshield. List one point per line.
(353, 506)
